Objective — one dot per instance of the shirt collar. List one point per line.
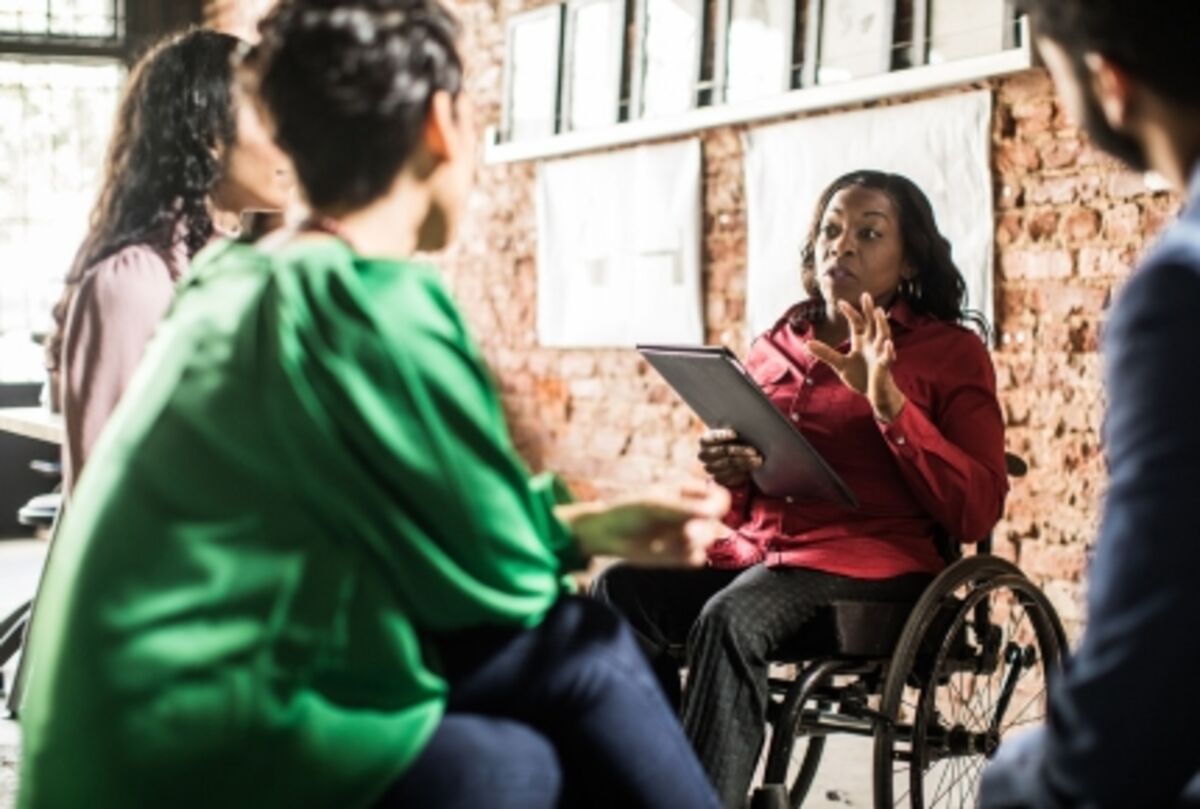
(902, 314)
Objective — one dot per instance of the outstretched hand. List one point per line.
(672, 531)
(867, 366)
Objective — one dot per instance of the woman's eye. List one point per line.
(869, 234)
(829, 231)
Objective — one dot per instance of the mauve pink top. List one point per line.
(111, 318)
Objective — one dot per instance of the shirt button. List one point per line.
(900, 440)
(808, 380)
(795, 417)
(789, 499)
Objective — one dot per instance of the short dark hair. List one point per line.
(347, 85)
(1155, 41)
(938, 288)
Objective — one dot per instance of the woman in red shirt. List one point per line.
(879, 374)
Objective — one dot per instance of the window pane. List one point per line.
(63, 18)
(48, 175)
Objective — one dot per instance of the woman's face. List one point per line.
(859, 247)
(257, 175)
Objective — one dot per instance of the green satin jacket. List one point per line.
(309, 476)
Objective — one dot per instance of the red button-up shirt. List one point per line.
(940, 462)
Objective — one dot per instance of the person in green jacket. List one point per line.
(306, 566)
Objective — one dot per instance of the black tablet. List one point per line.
(723, 394)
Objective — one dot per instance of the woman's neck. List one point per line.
(389, 227)
(225, 223)
(835, 329)
(832, 330)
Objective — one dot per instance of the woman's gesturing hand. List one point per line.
(728, 461)
(867, 367)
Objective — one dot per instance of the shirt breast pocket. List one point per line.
(771, 374)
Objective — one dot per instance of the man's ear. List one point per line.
(1113, 88)
(441, 136)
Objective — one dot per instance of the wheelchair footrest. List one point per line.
(770, 796)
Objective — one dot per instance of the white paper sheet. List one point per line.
(672, 40)
(619, 248)
(943, 145)
(595, 75)
(760, 37)
(534, 54)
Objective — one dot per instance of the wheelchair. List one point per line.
(937, 684)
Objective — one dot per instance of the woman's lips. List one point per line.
(838, 273)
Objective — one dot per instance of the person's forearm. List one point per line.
(888, 400)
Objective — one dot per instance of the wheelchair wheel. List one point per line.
(971, 666)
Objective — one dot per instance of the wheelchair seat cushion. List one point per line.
(855, 629)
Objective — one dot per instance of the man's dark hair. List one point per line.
(348, 84)
(1158, 42)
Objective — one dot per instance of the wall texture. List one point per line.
(1069, 224)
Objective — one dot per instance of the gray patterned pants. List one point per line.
(730, 622)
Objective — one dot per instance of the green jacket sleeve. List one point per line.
(405, 438)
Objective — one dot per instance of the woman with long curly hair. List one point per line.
(878, 371)
(186, 160)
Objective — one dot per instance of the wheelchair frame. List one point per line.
(944, 633)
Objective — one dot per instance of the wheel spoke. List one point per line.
(1028, 704)
(953, 767)
(945, 772)
(971, 787)
(959, 696)
(965, 703)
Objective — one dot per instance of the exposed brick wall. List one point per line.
(1069, 224)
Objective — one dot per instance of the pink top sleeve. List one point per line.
(110, 320)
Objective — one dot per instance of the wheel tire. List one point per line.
(925, 644)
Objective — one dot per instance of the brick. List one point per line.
(1060, 153)
(1081, 225)
(1042, 226)
(1035, 265)
(1159, 212)
(1104, 262)
(1017, 156)
(577, 364)
(1009, 194)
(610, 443)
(1123, 223)
(1126, 184)
(1025, 87)
(1009, 228)
(1033, 116)
(1052, 190)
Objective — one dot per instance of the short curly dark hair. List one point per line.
(1156, 42)
(348, 86)
(177, 108)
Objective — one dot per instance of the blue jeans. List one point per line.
(565, 714)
